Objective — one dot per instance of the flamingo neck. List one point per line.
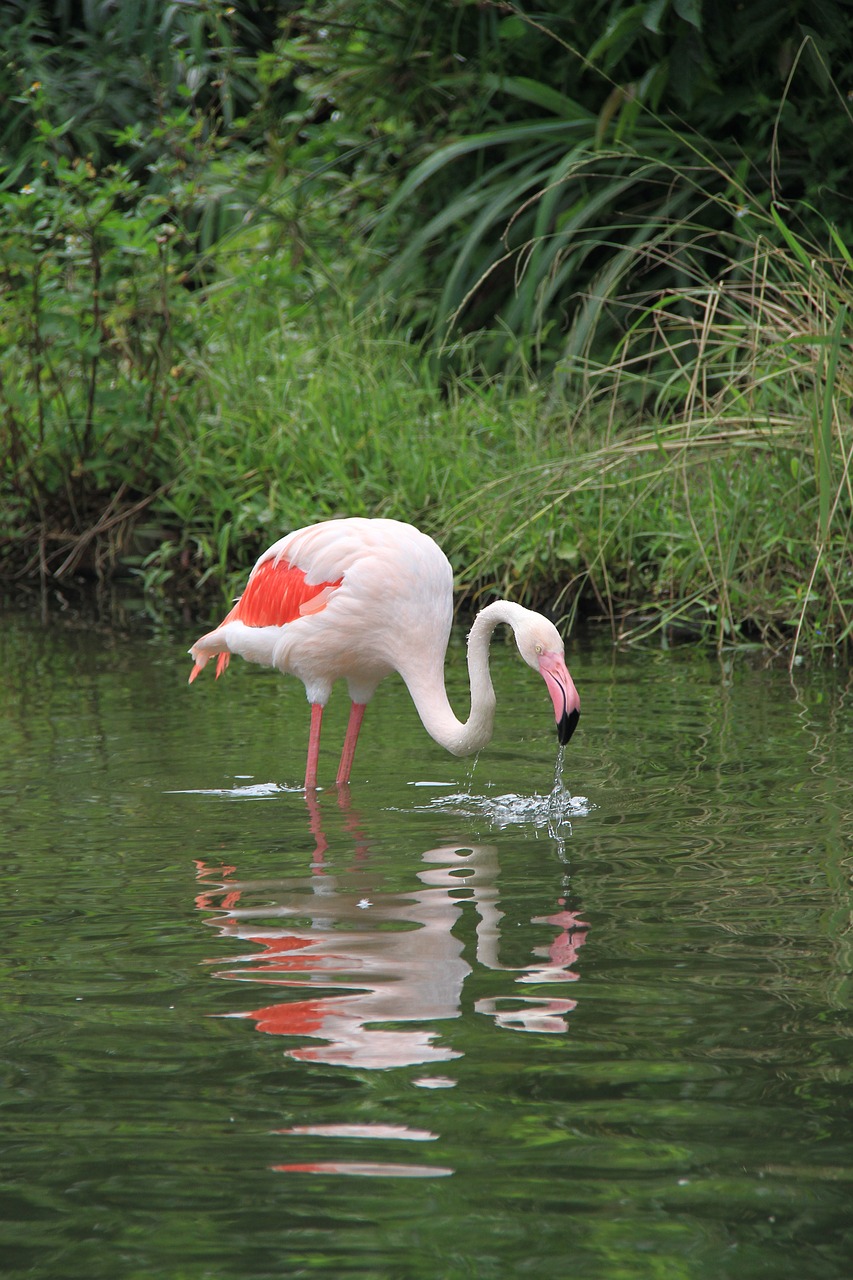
(430, 696)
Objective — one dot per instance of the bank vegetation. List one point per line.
(571, 291)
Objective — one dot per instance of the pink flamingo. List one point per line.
(356, 599)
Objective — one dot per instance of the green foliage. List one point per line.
(95, 325)
(163, 91)
(727, 509)
(314, 415)
(561, 150)
(649, 210)
(711, 513)
(105, 67)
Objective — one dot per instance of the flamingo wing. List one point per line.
(277, 593)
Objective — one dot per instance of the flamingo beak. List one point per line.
(564, 695)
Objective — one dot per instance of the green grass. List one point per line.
(184, 373)
(728, 509)
(314, 416)
(699, 484)
(710, 498)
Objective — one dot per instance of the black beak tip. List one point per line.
(566, 726)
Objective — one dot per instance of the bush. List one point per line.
(96, 322)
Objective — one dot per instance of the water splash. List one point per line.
(247, 791)
(552, 812)
(561, 803)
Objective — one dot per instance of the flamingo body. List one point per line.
(356, 599)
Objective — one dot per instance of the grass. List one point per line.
(728, 509)
(311, 417)
(172, 401)
(704, 495)
(699, 483)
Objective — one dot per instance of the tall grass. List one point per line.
(699, 481)
(173, 411)
(699, 484)
(309, 414)
(728, 508)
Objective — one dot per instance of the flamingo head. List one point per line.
(541, 647)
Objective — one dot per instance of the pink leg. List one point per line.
(356, 715)
(313, 747)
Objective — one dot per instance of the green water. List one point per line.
(423, 1029)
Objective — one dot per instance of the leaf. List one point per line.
(653, 14)
(512, 28)
(541, 95)
(618, 38)
(824, 434)
(788, 236)
(529, 132)
(611, 105)
(690, 11)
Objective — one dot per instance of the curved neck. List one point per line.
(430, 697)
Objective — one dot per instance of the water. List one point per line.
(457, 1021)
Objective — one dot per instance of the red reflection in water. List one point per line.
(361, 958)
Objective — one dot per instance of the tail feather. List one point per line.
(205, 648)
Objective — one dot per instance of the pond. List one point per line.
(423, 1028)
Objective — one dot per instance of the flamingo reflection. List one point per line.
(372, 970)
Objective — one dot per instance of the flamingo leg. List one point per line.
(313, 747)
(356, 715)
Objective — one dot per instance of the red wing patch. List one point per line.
(277, 593)
(293, 1018)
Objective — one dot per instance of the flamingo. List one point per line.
(356, 599)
